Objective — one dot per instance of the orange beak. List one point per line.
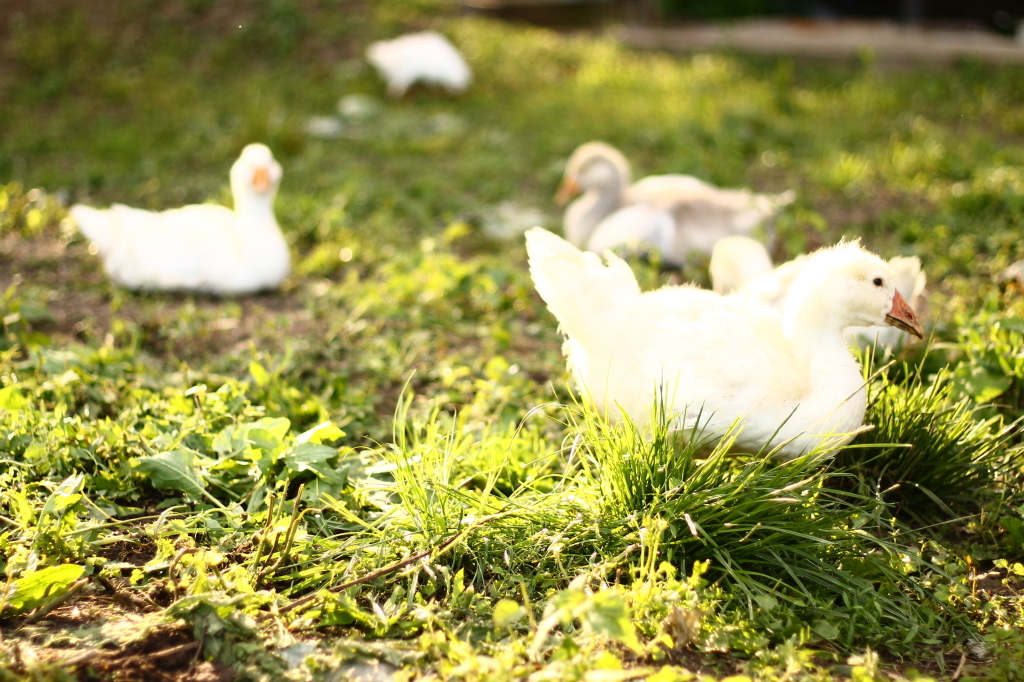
(902, 317)
(567, 190)
(261, 179)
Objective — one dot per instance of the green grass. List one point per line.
(772, 530)
(397, 420)
(929, 455)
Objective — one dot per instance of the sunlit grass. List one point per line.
(929, 454)
(770, 530)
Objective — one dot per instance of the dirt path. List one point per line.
(888, 42)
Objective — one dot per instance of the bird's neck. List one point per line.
(256, 209)
(590, 209)
(812, 329)
(836, 399)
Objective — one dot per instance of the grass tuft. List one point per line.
(771, 531)
(929, 455)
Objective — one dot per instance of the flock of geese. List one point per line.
(768, 349)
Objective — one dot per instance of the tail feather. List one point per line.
(576, 286)
(96, 224)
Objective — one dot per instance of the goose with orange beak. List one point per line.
(787, 379)
(742, 266)
(203, 248)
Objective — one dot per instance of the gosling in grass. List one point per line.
(202, 248)
(787, 377)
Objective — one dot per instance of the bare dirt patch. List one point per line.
(99, 637)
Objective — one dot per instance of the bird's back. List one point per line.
(636, 228)
(174, 249)
(662, 190)
(623, 346)
(704, 214)
(726, 354)
(772, 287)
(201, 243)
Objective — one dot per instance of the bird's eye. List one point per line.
(877, 281)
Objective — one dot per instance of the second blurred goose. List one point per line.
(425, 57)
(676, 214)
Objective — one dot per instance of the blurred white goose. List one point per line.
(677, 214)
(787, 377)
(742, 266)
(414, 57)
(204, 248)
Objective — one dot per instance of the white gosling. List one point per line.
(425, 57)
(203, 248)
(735, 261)
(787, 378)
(677, 214)
(742, 266)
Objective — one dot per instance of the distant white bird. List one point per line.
(788, 377)
(419, 57)
(677, 214)
(205, 247)
(741, 266)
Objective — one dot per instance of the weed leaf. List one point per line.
(310, 457)
(66, 495)
(11, 399)
(36, 587)
(506, 613)
(175, 470)
(980, 383)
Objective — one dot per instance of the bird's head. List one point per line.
(594, 165)
(255, 173)
(847, 286)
